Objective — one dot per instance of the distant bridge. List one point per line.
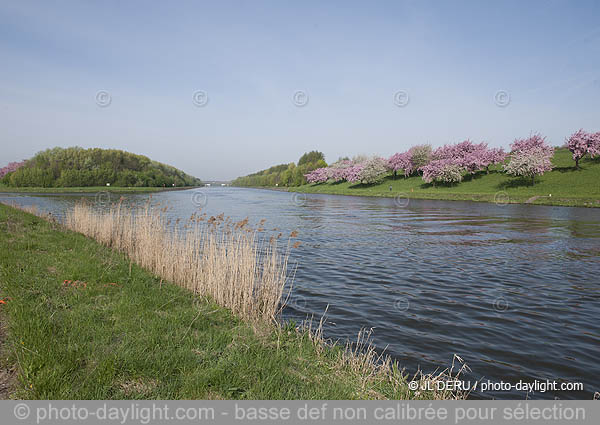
(210, 183)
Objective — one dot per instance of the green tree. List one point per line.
(76, 166)
(312, 156)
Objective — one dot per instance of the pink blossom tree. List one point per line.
(582, 143)
(410, 161)
(594, 149)
(493, 156)
(420, 155)
(338, 170)
(530, 157)
(320, 175)
(373, 170)
(401, 162)
(443, 170)
(11, 167)
(470, 156)
(353, 173)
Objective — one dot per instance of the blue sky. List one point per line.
(451, 58)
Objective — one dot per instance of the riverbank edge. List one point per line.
(90, 189)
(498, 198)
(47, 319)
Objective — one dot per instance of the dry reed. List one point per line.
(362, 359)
(213, 257)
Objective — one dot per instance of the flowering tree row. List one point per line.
(358, 170)
(449, 164)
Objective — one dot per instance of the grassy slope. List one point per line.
(141, 339)
(567, 186)
(92, 189)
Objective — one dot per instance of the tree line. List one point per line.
(79, 167)
(291, 174)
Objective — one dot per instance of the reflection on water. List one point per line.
(512, 289)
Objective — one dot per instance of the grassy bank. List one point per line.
(566, 185)
(90, 189)
(82, 321)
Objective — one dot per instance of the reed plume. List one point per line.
(213, 257)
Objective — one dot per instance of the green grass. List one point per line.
(568, 186)
(88, 189)
(143, 339)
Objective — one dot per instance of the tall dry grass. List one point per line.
(372, 367)
(215, 257)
